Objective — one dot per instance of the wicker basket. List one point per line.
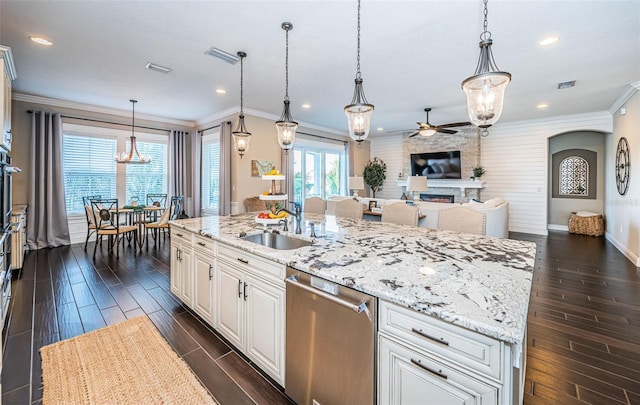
(593, 225)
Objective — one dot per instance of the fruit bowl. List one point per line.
(264, 219)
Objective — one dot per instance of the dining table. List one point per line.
(139, 215)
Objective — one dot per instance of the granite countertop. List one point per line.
(477, 282)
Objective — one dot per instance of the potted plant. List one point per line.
(478, 171)
(375, 172)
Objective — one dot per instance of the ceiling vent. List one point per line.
(566, 85)
(225, 56)
(158, 68)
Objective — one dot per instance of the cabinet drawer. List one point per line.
(181, 236)
(407, 377)
(453, 343)
(204, 244)
(252, 263)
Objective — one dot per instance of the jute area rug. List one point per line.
(126, 363)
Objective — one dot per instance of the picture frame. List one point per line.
(260, 167)
(372, 204)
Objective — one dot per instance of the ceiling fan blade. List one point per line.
(445, 131)
(414, 134)
(454, 124)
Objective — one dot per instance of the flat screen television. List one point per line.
(437, 165)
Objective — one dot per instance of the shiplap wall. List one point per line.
(515, 157)
(389, 149)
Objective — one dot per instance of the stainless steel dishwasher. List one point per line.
(331, 333)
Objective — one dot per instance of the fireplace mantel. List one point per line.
(463, 185)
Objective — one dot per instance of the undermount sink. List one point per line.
(277, 241)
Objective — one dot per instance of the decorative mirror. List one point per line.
(623, 161)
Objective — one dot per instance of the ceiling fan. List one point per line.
(426, 129)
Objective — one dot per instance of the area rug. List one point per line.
(126, 363)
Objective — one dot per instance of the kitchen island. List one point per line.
(473, 283)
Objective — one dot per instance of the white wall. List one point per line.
(389, 150)
(621, 211)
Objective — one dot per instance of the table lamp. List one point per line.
(356, 183)
(416, 183)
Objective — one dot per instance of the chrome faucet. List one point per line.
(297, 214)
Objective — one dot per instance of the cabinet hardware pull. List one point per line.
(178, 251)
(245, 291)
(239, 288)
(210, 274)
(245, 261)
(201, 244)
(179, 234)
(424, 335)
(439, 373)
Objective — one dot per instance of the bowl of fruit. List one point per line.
(270, 218)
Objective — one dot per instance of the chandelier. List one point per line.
(485, 89)
(359, 111)
(286, 126)
(130, 158)
(241, 137)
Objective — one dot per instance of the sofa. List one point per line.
(496, 212)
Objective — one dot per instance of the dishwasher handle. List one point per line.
(362, 307)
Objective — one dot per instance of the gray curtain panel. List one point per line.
(226, 145)
(177, 163)
(47, 215)
(193, 209)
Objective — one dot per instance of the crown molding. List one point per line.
(261, 114)
(624, 97)
(96, 109)
(9, 66)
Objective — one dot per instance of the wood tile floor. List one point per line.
(583, 327)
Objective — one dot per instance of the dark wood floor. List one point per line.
(583, 329)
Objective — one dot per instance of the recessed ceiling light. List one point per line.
(157, 68)
(548, 40)
(221, 91)
(41, 40)
(542, 106)
(306, 105)
(380, 129)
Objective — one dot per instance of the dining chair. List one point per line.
(106, 213)
(156, 200)
(252, 204)
(462, 219)
(170, 213)
(314, 205)
(91, 223)
(349, 208)
(400, 213)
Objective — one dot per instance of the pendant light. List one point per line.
(128, 158)
(359, 111)
(485, 89)
(286, 126)
(241, 137)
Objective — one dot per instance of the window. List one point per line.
(574, 176)
(324, 167)
(211, 172)
(150, 178)
(89, 167)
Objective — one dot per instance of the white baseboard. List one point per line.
(553, 227)
(633, 258)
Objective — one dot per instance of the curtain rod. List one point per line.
(206, 129)
(105, 122)
(323, 137)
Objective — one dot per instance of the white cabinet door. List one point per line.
(203, 269)
(176, 276)
(186, 263)
(230, 302)
(264, 313)
(409, 378)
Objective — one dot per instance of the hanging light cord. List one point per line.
(358, 75)
(133, 118)
(485, 34)
(286, 66)
(241, 86)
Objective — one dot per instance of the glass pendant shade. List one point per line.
(485, 89)
(359, 114)
(286, 128)
(241, 138)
